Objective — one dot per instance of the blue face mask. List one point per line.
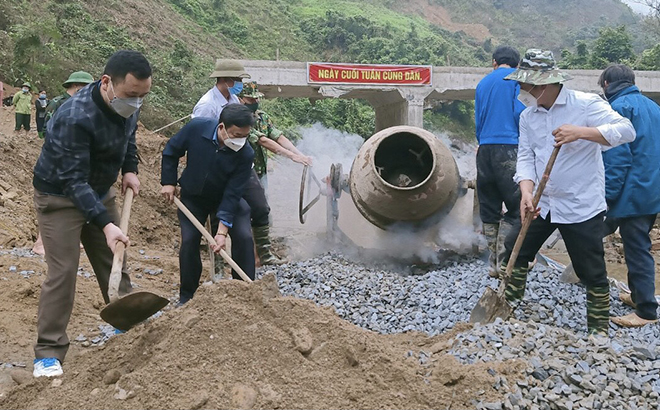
(42, 97)
(237, 88)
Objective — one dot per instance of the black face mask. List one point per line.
(253, 107)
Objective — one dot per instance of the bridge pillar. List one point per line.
(407, 111)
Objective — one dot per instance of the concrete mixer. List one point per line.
(402, 176)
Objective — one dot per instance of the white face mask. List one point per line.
(124, 106)
(235, 143)
(527, 98)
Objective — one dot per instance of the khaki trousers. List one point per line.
(62, 228)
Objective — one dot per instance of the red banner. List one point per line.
(332, 73)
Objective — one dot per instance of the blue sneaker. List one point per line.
(49, 367)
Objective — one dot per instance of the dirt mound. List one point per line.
(243, 346)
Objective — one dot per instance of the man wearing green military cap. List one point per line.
(72, 85)
(264, 136)
(582, 124)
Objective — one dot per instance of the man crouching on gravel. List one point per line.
(218, 167)
(574, 199)
(90, 139)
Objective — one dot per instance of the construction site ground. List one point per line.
(234, 345)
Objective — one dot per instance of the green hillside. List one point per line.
(43, 41)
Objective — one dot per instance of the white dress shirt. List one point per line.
(212, 103)
(576, 188)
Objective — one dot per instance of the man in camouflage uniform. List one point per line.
(573, 201)
(75, 82)
(264, 136)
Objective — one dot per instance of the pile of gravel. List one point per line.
(564, 368)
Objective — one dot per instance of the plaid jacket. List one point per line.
(87, 144)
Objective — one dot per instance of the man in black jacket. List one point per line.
(91, 138)
(219, 164)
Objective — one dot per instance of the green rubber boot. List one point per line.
(598, 309)
(263, 245)
(490, 232)
(502, 254)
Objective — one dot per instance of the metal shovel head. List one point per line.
(491, 306)
(132, 309)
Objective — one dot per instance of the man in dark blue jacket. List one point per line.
(91, 138)
(496, 114)
(632, 189)
(219, 165)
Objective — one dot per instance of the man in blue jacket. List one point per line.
(219, 165)
(632, 189)
(496, 112)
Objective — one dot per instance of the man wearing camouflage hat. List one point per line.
(574, 199)
(72, 85)
(264, 135)
(229, 75)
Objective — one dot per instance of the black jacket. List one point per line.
(215, 174)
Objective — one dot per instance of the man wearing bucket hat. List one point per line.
(22, 101)
(229, 75)
(263, 136)
(574, 199)
(72, 85)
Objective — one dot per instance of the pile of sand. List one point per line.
(237, 345)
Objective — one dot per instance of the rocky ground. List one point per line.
(344, 333)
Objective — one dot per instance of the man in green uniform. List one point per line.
(264, 135)
(76, 81)
(22, 101)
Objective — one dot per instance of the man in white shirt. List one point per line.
(574, 199)
(229, 75)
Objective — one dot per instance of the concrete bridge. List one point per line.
(404, 105)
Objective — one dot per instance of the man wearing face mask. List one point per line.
(632, 190)
(72, 85)
(264, 136)
(40, 106)
(22, 102)
(574, 198)
(229, 75)
(496, 113)
(219, 163)
(90, 139)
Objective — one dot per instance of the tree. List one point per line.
(613, 45)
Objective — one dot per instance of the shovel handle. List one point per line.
(210, 238)
(120, 247)
(529, 216)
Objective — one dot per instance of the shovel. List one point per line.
(211, 240)
(124, 313)
(494, 304)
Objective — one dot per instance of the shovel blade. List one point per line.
(491, 306)
(132, 309)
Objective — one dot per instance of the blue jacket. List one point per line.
(632, 171)
(215, 175)
(497, 109)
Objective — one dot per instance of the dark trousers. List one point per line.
(584, 243)
(22, 120)
(641, 265)
(41, 121)
(190, 262)
(255, 196)
(496, 166)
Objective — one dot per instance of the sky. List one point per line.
(637, 6)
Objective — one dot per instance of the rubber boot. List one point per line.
(262, 243)
(490, 232)
(515, 289)
(598, 309)
(503, 231)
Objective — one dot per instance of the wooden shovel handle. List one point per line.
(529, 216)
(120, 247)
(210, 238)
